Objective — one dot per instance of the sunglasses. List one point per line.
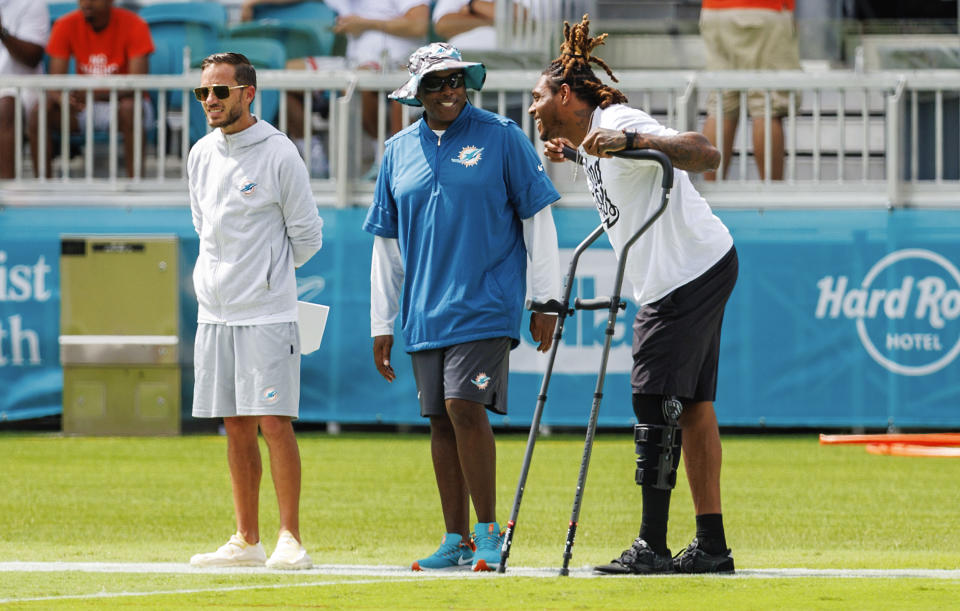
(221, 91)
(433, 84)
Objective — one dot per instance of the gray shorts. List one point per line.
(473, 371)
(246, 371)
(676, 340)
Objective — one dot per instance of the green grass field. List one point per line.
(370, 499)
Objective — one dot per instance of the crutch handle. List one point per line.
(597, 303)
(649, 154)
(550, 307)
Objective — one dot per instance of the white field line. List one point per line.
(106, 595)
(402, 572)
(391, 574)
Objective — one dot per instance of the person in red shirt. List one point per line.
(102, 40)
(749, 35)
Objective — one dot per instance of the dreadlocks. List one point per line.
(573, 66)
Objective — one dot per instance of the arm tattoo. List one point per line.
(688, 151)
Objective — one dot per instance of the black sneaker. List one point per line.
(639, 559)
(695, 560)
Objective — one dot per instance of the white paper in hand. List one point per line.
(313, 318)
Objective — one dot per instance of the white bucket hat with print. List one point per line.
(435, 57)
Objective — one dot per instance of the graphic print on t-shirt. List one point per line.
(608, 212)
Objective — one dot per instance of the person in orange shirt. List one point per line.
(749, 35)
(103, 40)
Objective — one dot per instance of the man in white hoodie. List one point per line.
(257, 220)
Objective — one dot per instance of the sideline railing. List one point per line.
(852, 139)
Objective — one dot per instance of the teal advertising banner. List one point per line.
(843, 318)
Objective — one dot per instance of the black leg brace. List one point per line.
(658, 440)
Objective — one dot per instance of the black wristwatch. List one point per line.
(631, 140)
(4, 33)
(470, 6)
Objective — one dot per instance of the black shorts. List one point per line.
(676, 340)
(474, 371)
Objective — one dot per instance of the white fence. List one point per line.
(852, 139)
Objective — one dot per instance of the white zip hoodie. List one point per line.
(257, 220)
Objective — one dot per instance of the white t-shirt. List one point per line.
(687, 240)
(368, 47)
(483, 37)
(27, 20)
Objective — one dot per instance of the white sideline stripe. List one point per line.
(403, 572)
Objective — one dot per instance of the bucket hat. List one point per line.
(435, 57)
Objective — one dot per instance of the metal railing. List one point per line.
(852, 139)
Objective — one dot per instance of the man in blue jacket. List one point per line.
(461, 205)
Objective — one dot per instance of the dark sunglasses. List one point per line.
(433, 84)
(221, 91)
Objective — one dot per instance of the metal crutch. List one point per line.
(562, 310)
(614, 305)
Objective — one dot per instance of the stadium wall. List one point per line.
(840, 318)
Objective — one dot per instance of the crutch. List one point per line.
(614, 305)
(562, 310)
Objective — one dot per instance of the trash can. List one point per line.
(119, 334)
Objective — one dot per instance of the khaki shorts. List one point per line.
(246, 370)
(750, 39)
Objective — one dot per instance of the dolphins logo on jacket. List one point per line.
(469, 156)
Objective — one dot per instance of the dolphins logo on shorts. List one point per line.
(481, 381)
(270, 395)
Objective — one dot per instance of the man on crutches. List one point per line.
(683, 271)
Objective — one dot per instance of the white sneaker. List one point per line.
(236, 552)
(289, 554)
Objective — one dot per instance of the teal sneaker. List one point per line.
(453, 553)
(489, 540)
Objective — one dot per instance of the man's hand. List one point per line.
(553, 149)
(541, 329)
(382, 345)
(352, 25)
(78, 99)
(601, 142)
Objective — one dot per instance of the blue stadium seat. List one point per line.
(299, 39)
(289, 23)
(299, 11)
(59, 9)
(193, 25)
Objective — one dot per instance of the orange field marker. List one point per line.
(917, 439)
(906, 449)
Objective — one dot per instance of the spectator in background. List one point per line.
(24, 28)
(380, 35)
(466, 24)
(469, 24)
(103, 40)
(749, 35)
